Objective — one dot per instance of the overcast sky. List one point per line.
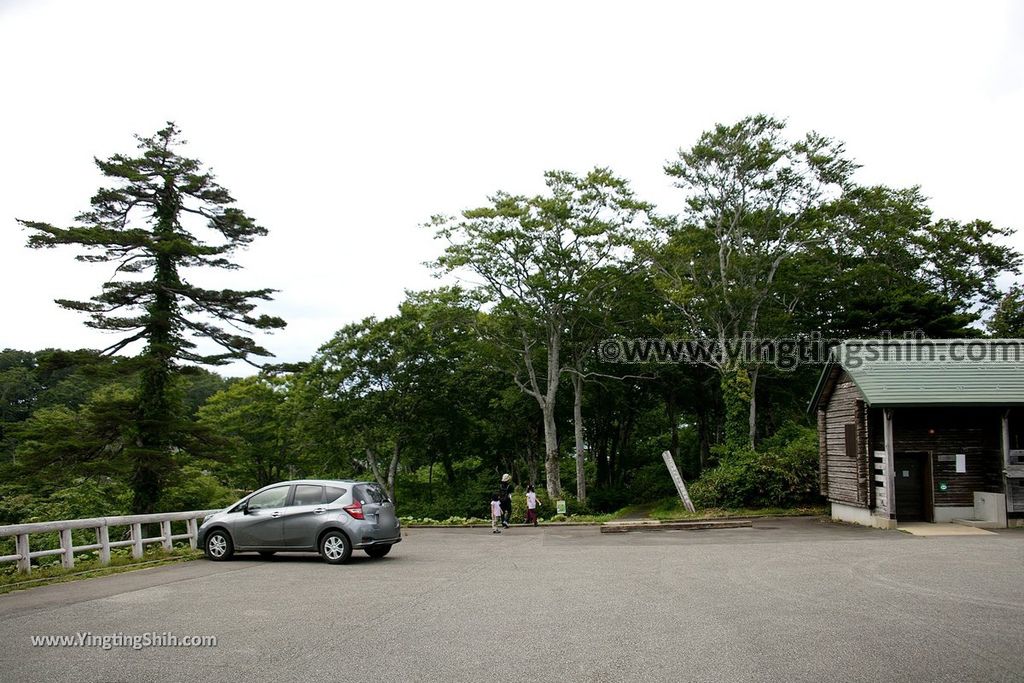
(343, 126)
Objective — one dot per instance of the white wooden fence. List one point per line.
(101, 525)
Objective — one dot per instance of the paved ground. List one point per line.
(945, 529)
(784, 600)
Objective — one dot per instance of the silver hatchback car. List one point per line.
(323, 515)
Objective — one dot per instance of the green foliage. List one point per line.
(608, 498)
(782, 473)
(197, 489)
(736, 394)
(544, 263)
(650, 482)
(163, 214)
(58, 442)
(253, 422)
(440, 398)
(79, 497)
(672, 509)
(83, 498)
(1008, 320)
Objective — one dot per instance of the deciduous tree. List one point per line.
(532, 258)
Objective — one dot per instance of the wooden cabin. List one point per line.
(923, 431)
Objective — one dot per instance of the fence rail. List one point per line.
(24, 555)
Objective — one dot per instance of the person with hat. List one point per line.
(505, 497)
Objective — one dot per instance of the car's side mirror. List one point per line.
(245, 509)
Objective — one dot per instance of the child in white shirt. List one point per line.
(495, 514)
(531, 505)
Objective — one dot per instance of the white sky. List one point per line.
(342, 127)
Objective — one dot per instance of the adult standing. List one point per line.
(505, 497)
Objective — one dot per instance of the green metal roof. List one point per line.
(925, 372)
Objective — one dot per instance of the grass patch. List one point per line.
(477, 521)
(89, 568)
(665, 510)
(672, 509)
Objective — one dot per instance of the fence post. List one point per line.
(21, 545)
(165, 531)
(136, 541)
(68, 546)
(193, 533)
(103, 538)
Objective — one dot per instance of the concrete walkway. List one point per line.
(949, 529)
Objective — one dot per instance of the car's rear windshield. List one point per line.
(369, 493)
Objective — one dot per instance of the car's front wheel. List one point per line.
(219, 546)
(335, 548)
(378, 551)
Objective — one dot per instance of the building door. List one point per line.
(913, 487)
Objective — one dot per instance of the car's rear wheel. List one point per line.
(377, 551)
(335, 548)
(267, 554)
(219, 546)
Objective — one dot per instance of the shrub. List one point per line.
(783, 473)
(650, 483)
(196, 489)
(610, 499)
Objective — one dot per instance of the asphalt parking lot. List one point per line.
(797, 599)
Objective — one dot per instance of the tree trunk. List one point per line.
(152, 457)
(386, 482)
(551, 469)
(704, 439)
(393, 474)
(736, 397)
(449, 469)
(753, 408)
(672, 413)
(613, 452)
(577, 416)
(546, 401)
(151, 460)
(430, 481)
(602, 462)
(531, 460)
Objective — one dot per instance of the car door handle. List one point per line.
(275, 513)
(319, 511)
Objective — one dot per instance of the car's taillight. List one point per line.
(355, 510)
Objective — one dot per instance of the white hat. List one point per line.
(506, 477)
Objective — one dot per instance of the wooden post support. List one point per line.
(1005, 445)
(103, 538)
(678, 479)
(193, 533)
(1005, 438)
(22, 548)
(165, 531)
(67, 559)
(890, 464)
(136, 541)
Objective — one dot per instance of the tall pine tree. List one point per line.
(147, 223)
